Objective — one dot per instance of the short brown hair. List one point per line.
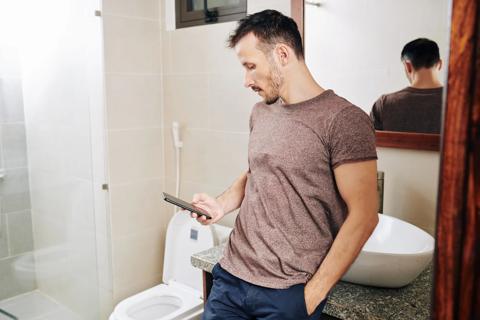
(270, 27)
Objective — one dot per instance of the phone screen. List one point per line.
(184, 205)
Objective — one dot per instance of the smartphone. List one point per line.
(185, 205)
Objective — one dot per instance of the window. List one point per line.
(198, 12)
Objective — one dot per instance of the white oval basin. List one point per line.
(394, 255)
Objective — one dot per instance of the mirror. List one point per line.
(362, 62)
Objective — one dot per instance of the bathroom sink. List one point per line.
(394, 255)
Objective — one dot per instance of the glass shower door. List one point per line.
(50, 268)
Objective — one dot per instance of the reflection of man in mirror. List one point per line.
(416, 108)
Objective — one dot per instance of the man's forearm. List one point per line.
(353, 234)
(232, 198)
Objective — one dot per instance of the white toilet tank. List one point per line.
(185, 236)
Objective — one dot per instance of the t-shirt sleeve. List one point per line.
(376, 114)
(351, 137)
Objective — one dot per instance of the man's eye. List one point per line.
(250, 67)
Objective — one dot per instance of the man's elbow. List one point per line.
(372, 223)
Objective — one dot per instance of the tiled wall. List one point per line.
(135, 143)
(203, 91)
(16, 237)
(153, 77)
(365, 64)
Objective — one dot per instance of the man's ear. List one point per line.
(439, 64)
(408, 66)
(283, 54)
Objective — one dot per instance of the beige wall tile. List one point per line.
(63, 200)
(186, 101)
(15, 202)
(229, 159)
(131, 45)
(135, 155)
(13, 282)
(213, 157)
(221, 59)
(15, 181)
(144, 8)
(3, 236)
(166, 52)
(196, 155)
(143, 283)
(11, 101)
(189, 50)
(230, 103)
(137, 206)
(133, 101)
(138, 259)
(14, 145)
(20, 232)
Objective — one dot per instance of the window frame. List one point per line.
(186, 18)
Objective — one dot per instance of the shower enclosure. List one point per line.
(53, 225)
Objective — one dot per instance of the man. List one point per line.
(308, 202)
(416, 108)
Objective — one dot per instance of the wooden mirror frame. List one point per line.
(389, 139)
(456, 283)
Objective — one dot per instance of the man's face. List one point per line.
(262, 73)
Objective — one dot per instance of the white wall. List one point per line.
(354, 48)
(411, 185)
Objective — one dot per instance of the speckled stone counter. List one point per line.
(351, 301)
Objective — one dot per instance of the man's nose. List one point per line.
(248, 82)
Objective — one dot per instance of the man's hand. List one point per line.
(312, 299)
(210, 205)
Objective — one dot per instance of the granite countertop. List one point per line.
(352, 301)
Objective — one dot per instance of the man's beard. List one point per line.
(275, 81)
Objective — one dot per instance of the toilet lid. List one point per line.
(185, 236)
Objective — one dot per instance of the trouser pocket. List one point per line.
(299, 295)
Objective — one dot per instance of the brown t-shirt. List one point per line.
(409, 110)
(292, 209)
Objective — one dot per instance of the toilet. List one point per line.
(180, 294)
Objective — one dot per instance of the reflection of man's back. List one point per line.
(409, 110)
(416, 108)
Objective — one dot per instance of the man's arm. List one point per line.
(357, 184)
(232, 198)
(227, 202)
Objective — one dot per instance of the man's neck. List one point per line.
(425, 79)
(299, 86)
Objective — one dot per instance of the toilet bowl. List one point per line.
(180, 294)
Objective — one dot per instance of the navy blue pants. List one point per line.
(233, 298)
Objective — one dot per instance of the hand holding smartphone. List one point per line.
(185, 205)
